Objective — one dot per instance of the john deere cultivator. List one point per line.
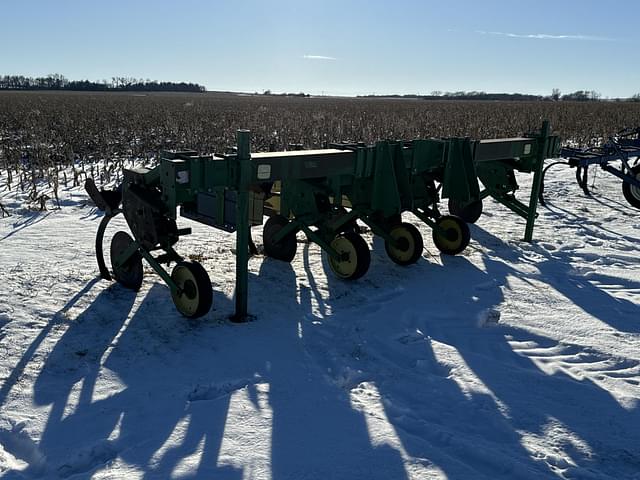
(322, 193)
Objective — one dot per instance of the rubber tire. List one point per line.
(285, 249)
(362, 255)
(451, 223)
(469, 213)
(632, 193)
(414, 246)
(199, 287)
(394, 219)
(130, 274)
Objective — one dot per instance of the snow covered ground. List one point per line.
(513, 360)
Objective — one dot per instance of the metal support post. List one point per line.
(537, 180)
(242, 221)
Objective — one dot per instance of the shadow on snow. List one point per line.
(301, 372)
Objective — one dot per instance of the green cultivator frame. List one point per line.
(323, 193)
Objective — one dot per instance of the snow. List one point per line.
(512, 360)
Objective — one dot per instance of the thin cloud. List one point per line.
(318, 57)
(545, 36)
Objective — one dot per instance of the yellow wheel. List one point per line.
(409, 244)
(354, 256)
(455, 237)
(195, 295)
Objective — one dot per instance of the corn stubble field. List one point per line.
(43, 134)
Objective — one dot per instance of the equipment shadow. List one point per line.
(175, 381)
(440, 425)
(557, 270)
(451, 312)
(106, 382)
(149, 388)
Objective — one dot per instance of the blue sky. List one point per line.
(337, 47)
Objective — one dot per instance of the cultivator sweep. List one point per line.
(322, 193)
(623, 147)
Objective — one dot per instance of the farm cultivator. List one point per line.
(622, 147)
(322, 193)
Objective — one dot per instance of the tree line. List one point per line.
(121, 84)
(556, 95)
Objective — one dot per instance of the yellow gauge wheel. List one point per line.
(354, 256)
(408, 244)
(195, 295)
(455, 237)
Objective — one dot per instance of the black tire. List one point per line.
(457, 232)
(631, 192)
(129, 274)
(357, 251)
(395, 219)
(387, 222)
(410, 244)
(285, 249)
(196, 295)
(470, 213)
